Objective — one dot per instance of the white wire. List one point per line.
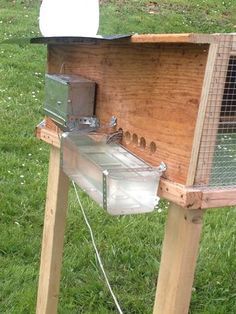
(96, 251)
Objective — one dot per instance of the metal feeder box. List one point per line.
(68, 98)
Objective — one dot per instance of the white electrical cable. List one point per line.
(96, 251)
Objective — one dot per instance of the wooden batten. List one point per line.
(154, 91)
(174, 38)
(48, 132)
(201, 113)
(219, 198)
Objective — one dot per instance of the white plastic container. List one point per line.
(69, 18)
(112, 176)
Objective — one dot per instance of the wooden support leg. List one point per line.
(178, 261)
(53, 236)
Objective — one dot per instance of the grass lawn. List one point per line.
(130, 246)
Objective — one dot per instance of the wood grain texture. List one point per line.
(234, 44)
(174, 38)
(178, 261)
(201, 113)
(53, 236)
(48, 132)
(188, 198)
(153, 89)
(218, 198)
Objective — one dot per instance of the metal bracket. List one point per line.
(162, 167)
(81, 122)
(105, 174)
(113, 122)
(92, 122)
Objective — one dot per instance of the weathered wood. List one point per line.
(48, 133)
(174, 38)
(233, 44)
(201, 113)
(153, 90)
(189, 198)
(218, 198)
(53, 236)
(178, 261)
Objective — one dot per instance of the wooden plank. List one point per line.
(153, 90)
(176, 193)
(50, 124)
(201, 113)
(218, 198)
(173, 38)
(178, 261)
(234, 44)
(48, 133)
(196, 198)
(53, 236)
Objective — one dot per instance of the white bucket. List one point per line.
(69, 17)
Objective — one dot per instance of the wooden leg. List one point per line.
(178, 261)
(53, 236)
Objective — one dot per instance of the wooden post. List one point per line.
(53, 236)
(178, 261)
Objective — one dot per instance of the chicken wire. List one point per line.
(217, 155)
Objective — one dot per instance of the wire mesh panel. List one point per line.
(217, 156)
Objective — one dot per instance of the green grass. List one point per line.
(130, 246)
(224, 160)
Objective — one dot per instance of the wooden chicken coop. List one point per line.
(174, 97)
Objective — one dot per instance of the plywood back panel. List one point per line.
(153, 89)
